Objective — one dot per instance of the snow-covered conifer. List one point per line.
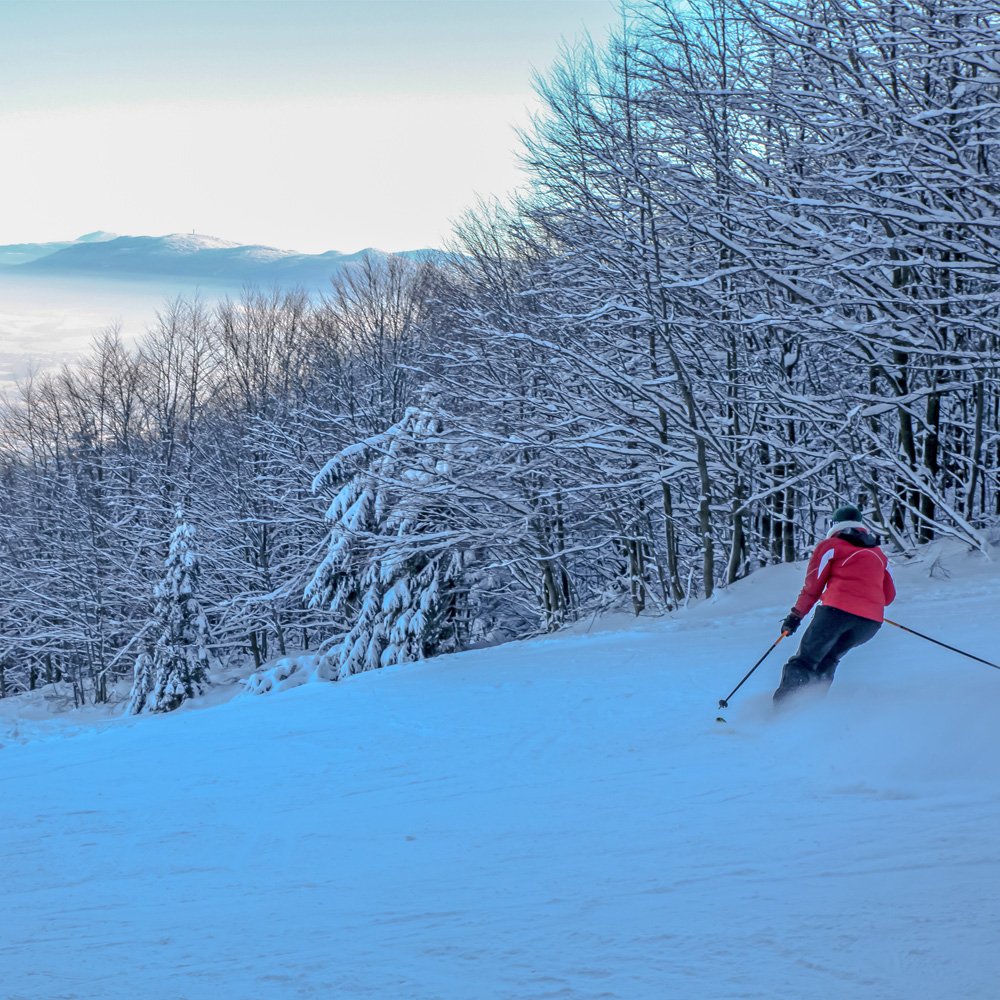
(144, 676)
(393, 566)
(177, 668)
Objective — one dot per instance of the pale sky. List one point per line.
(303, 124)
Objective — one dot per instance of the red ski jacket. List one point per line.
(848, 571)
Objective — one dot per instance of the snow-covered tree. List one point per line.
(143, 680)
(177, 667)
(394, 565)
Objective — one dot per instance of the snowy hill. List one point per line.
(188, 256)
(559, 817)
(24, 253)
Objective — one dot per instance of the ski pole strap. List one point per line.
(724, 702)
(938, 642)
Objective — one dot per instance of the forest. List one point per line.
(754, 274)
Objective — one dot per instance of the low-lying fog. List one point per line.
(47, 320)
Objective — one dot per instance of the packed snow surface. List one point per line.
(556, 818)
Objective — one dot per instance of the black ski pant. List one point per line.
(830, 634)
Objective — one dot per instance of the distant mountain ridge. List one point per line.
(185, 255)
(25, 253)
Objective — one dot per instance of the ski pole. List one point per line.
(938, 642)
(724, 702)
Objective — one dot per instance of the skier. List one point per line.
(849, 574)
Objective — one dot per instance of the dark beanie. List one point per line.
(847, 513)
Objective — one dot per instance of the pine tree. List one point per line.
(177, 668)
(394, 564)
(144, 675)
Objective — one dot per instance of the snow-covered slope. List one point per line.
(190, 256)
(554, 818)
(23, 253)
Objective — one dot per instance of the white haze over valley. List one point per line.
(46, 320)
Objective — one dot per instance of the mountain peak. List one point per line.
(98, 236)
(193, 242)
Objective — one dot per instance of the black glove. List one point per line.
(791, 623)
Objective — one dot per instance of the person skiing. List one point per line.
(850, 576)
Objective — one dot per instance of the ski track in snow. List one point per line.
(555, 818)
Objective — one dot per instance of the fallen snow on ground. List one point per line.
(557, 818)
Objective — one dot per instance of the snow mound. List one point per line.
(287, 673)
